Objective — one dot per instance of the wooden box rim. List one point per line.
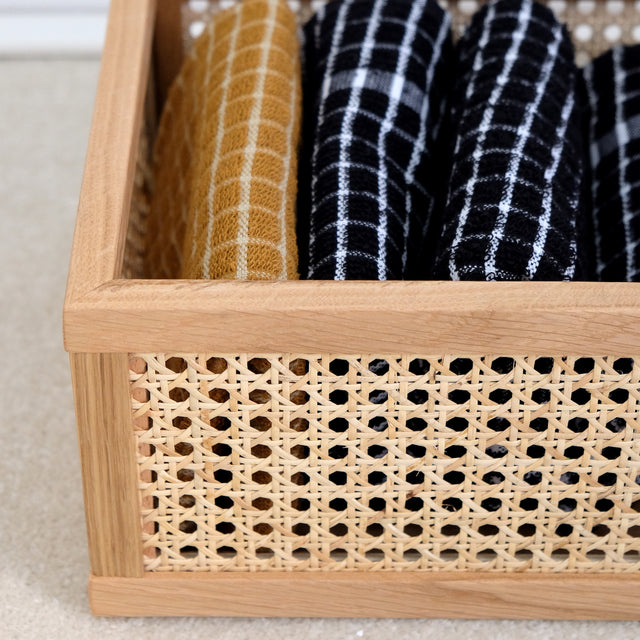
(105, 313)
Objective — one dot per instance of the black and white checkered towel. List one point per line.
(518, 155)
(375, 81)
(613, 83)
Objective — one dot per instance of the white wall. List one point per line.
(53, 5)
(40, 28)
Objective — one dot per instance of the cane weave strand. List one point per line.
(380, 462)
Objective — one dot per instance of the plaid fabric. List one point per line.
(374, 92)
(225, 162)
(516, 184)
(613, 83)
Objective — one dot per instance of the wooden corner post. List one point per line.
(109, 469)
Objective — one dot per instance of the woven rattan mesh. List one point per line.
(319, 462)
(596, 25)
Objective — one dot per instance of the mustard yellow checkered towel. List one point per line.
(225, 159)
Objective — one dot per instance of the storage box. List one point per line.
(447, 449)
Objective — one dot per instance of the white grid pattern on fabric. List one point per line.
(346, 136)
(324, 93)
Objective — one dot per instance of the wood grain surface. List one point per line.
(472, 318)
(109, 469)
(374, 595)
(105, 197)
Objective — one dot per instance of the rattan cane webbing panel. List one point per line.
(596, 25)
(378, 462)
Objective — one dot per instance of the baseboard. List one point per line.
(411, 594)
(42, 34)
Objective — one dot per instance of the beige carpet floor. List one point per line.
(44, 122)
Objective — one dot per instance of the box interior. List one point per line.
(595, 26)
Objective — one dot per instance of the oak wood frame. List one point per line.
(106, 316)
(109, 468)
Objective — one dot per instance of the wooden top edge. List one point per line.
(556, 293)
(477, 318)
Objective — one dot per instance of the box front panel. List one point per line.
(254, 462)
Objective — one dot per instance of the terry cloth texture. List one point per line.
(613, 83)
(375, 80)
(226, 153)
(515, 205)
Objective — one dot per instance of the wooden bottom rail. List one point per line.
(370, 595)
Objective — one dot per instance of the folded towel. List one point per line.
(375, 79)
(613, 83)
(518, 165)
(226, 151)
